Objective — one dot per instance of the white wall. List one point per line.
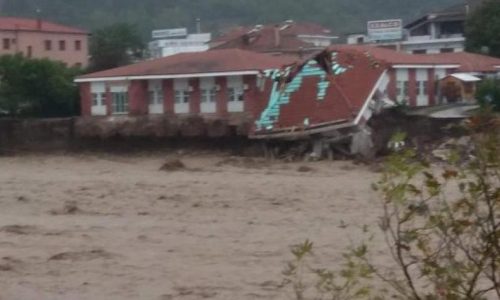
(191, 43)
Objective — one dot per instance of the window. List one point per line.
(422, 51)
(78, 65)
(95, 99)
(208, 95)
(48, 45)
(120, 103)
(420, 31)
(419, 88)
(452, 28)
(181, 96)
(155, 96)
(422, 88)
(235, 95)
(62, 45)
(402, 88)
(98, 99)
(446, 50)
(78, 45)
(29, 52)
(6, 44)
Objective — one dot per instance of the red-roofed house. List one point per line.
(414, 78)
(212, 83)
(269, 94)
(42, 39)
(287, 37)
(274, 96)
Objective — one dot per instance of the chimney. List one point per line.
(38, 19)
(198, 25)
(277, 36)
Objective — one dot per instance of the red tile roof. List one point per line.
(345, 96)
(215, 61)
(468, 62)
(23, 24)
(263, 39)
(393, 57)
(304, 28)
(232, 33)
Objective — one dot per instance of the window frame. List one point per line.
(182, 96)
(402, 87)
(208, 95)
(6, 43)
(78, 45)
(119, 103)
(48, 45)
(155, 96)
(98, 99)
(235, 94)
(62, 45)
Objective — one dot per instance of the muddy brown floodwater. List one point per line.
(116, 227)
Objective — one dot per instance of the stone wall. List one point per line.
(35, 134)
(73, 133)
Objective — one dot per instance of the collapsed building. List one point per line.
(325, 98)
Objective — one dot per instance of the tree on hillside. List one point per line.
(115, 45)
(37, 88)
(483, 27)
(340, 15)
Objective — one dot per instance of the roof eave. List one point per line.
(46, 31)
(426, 66)
(165, 76)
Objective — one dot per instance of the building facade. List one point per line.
(414, 78)
(168, 42)
(339, 86)
(215, 84)
(36, 38)
(441, 31)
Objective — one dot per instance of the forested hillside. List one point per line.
(340, 15)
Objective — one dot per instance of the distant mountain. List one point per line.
(340, 15)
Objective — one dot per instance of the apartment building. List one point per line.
(37, 38)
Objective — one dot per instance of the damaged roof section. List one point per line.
(328, 88)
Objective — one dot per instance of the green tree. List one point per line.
(483, 27)
(488, 94)
(115, 45)
(37, 87)
(441, 225)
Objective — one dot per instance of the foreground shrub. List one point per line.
(441, 225)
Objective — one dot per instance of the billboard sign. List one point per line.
(385, 30)
(169, 33)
